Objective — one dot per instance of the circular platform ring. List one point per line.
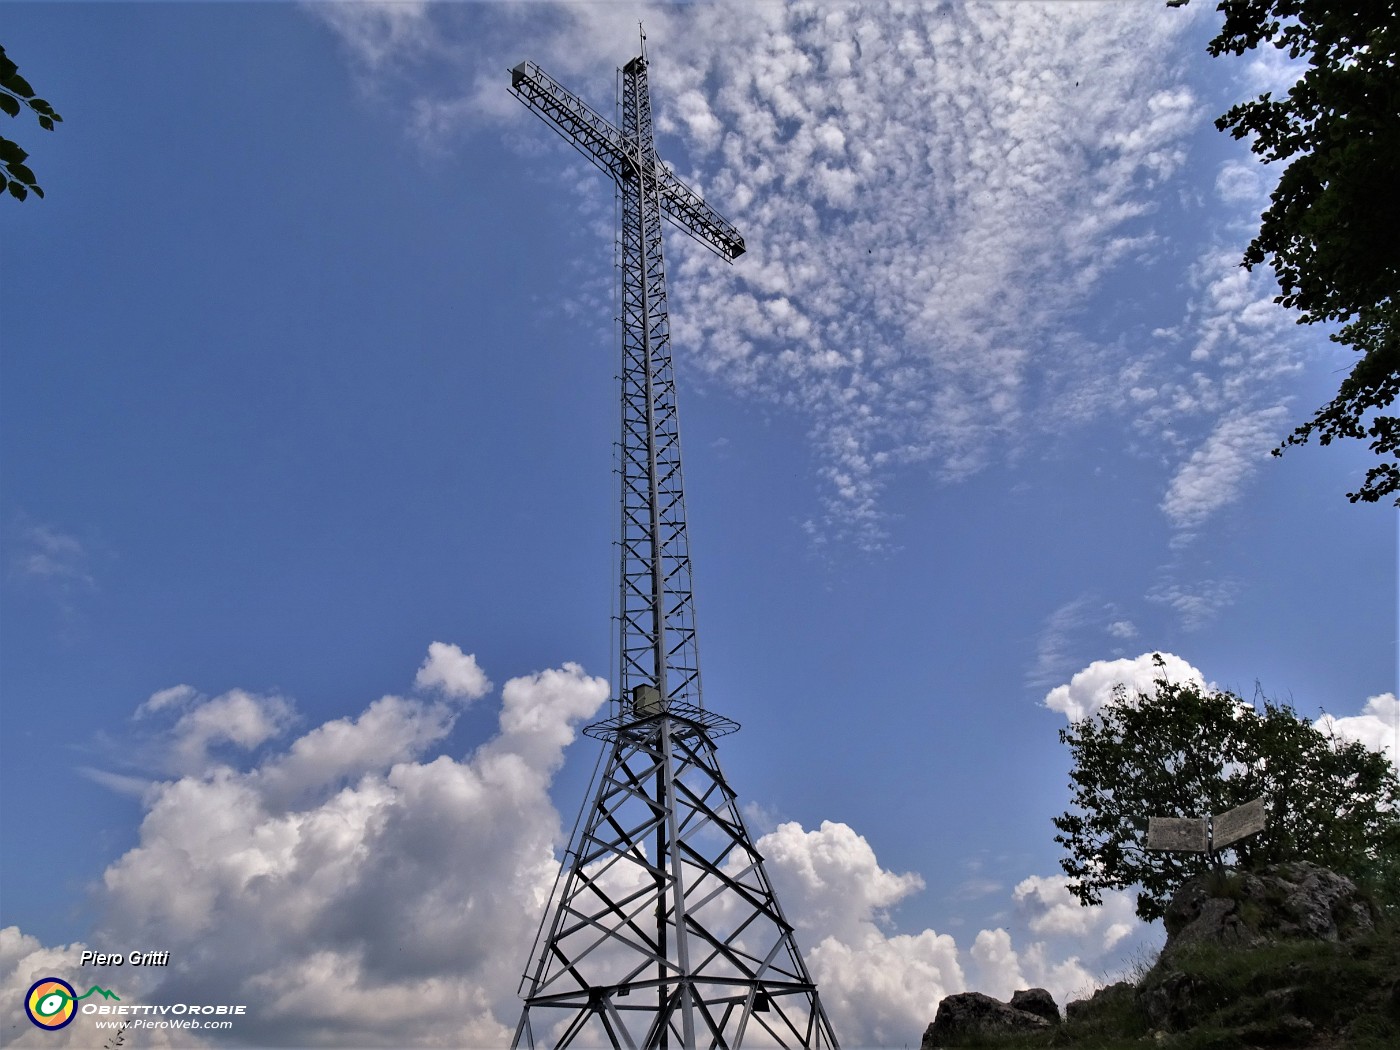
(686, 720)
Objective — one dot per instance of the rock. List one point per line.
(1284, 1030)
(1279, 1001)
(1200, 919)
(1242, 909)
(1320, 903)
(969, 1017)
(1170, 999)
(1104, 998)
(1036, 1001)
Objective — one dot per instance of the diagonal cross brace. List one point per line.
(602, 142)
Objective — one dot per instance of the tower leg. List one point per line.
(666, 931)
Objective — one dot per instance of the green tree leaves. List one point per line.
(1332, 231)
(1187, 752)
(15, 96)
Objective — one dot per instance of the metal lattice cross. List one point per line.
(665, 930)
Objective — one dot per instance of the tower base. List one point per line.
(667, 932)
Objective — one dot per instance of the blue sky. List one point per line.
(307, 364)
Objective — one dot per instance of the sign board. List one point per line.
(1179, 833)
(1238, 823)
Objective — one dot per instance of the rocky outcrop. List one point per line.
(1289, 956)
(1104, 999)
(969, 1017)
(1298, 901)
(1036, 1001)
(1243, 909)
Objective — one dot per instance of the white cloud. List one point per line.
(903, 248)
(834, 871)
(24, 960)
(51, 564)
(363, 893)
(930, 194)
(1067, 939)
(882, 986)
(391, 730)
(1219, 411)
(1196, 603)
(175, 696)
(1056, 641)
(539, 713)
(1241, 182)
(360, 891)
(46, 554)
(452, 672)
(379, 33)
(1053, 910)
(1214, 474)
(1378, 726)
(240, 718)
(1270, 69)
(1069, 630)
(120, 783)
(997, 964)
(884, 991)
(1093, 688)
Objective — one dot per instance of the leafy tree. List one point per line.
(16, 95)
(1332, 231)
(1187, 752)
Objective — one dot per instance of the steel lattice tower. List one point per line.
(666, 931)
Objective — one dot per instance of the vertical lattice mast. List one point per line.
(666, 931)
(656, 605)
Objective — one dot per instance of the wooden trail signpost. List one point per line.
(1206, 834)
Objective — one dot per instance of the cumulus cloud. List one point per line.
(186, 731)
(1093, 688)
(1090, 690)
(25, 960)
(389, 731)
(884, 991)
(1054, 910)
(1378, 726)
(834, 871)
(452, 672)
(882, 986)
(1067, 943)
(357, 886)
(353, 886)
(242, 719)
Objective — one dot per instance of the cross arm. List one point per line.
(602, 142)
(688, 210)
(596, 137)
